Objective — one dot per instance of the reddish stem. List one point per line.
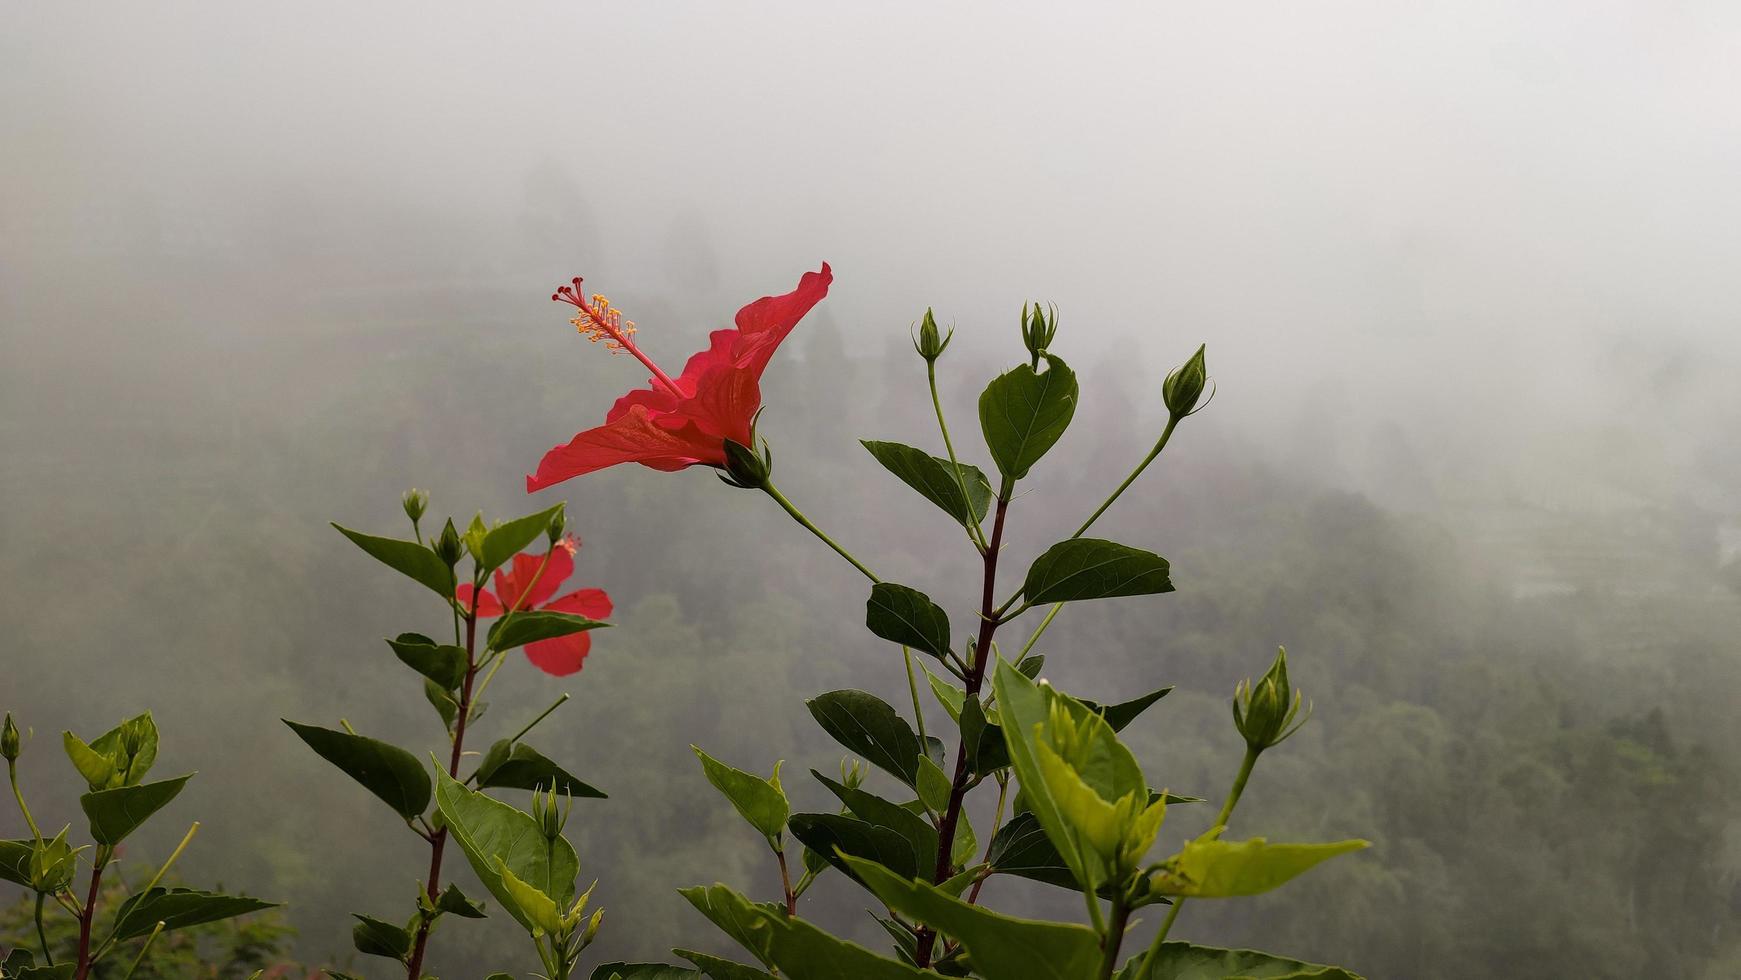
(438, 842)
(786, 886)
(988, 625)
(85, 923)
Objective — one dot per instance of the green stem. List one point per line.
(17, 794)
(41, 933)
(798, 516)
(142, 950)
(974, 532)
(529, 725)
(1160, 444)
(1113, 938)
(1233, 795)
(1035, 638)
(913, 688)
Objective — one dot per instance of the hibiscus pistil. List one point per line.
(599, 321)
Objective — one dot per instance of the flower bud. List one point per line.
(1265, 712)
(10, 744)
(448, 546)
(1038, 329)
(415, 503)
(851, 773)
(558, 524)
(474, 535)
(745, 468)
(550, 815)
(929, 343)
(1184, 386)
(591, 931)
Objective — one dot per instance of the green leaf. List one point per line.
(1213, 868)
(1122, 714)
(760, 801)
(507, 540)
(715, 968)
(934, 786)
(1021, 848)
(1001, 947)
(455, 902)
(442, 663)
(873, 809)
(488, 830)
(532, 625)
(178, 908)
(1092, 568)
(442, 702)
(865, 724)
(1022, 414)
(948, 695)
(908, 617)
(407, 558)
(932, 476)
(523, 767)
(799, 950)
(115, 813)
(830, 834)
(97, 768)
(533, 905)
(15, 861)
(376, 938)
(140, 732)
(385, 770)
(1183, 961)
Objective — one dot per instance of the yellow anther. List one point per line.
(600, 321)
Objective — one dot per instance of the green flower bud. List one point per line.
(851, 773)
(448, 546)
(1038, 329)
(591, 931)
(415, 503)
(746, 469)
(10, 744)
(1184, 386)
(474, 535)
(1265, 712)
(52, 864)
(558, 524)
(551, 816)
(930, 343)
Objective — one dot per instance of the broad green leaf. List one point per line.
(532, 625)
(523, 767)
(830, 834)
(178, 908)
(97, 768)
(948, 695)
(509, 539)
(533, 905)
(115, 813)
(374, 937)
(488, 830)
(715, 968)
(388, 771)
(1022, 848)
(455, 902)
(934, 786)
(131, 746)
(442, 702)
(966, 843)
(1023, 412)
(442, 663)
(1093, 568)
(1183, 961)
(760, 801)
(799, 950)
(875, 810)
(1118, 831)
(908, 617)
(408, 558)
(1212, 868)
(15, 861)
(1122, 714)
(865, 724)
(1001, 947)
(935, 479)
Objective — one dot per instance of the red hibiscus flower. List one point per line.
(523, 587)
(679, 422)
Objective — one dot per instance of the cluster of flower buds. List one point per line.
(1184, 386)
(931, 342)
(1039, 327)
(1266, 712)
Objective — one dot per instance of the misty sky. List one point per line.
(1487, 224)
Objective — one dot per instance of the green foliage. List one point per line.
(1089, 568)
(499, 840)
(963, 493)
(1024, 412)
(760, 801)
(115, 813)
(908, 617)
(391, 773)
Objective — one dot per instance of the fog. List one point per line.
(1465, 272)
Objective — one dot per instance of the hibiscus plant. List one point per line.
(1074, 808)
(118, 802)
(519, 855)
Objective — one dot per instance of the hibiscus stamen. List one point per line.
(599, 321)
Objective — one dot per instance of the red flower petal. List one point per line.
(487, 604)
(512, 585)
(631, 438)
(561, 656)
(767, 321)
(591, 603)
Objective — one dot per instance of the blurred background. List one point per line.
(1466, 276)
